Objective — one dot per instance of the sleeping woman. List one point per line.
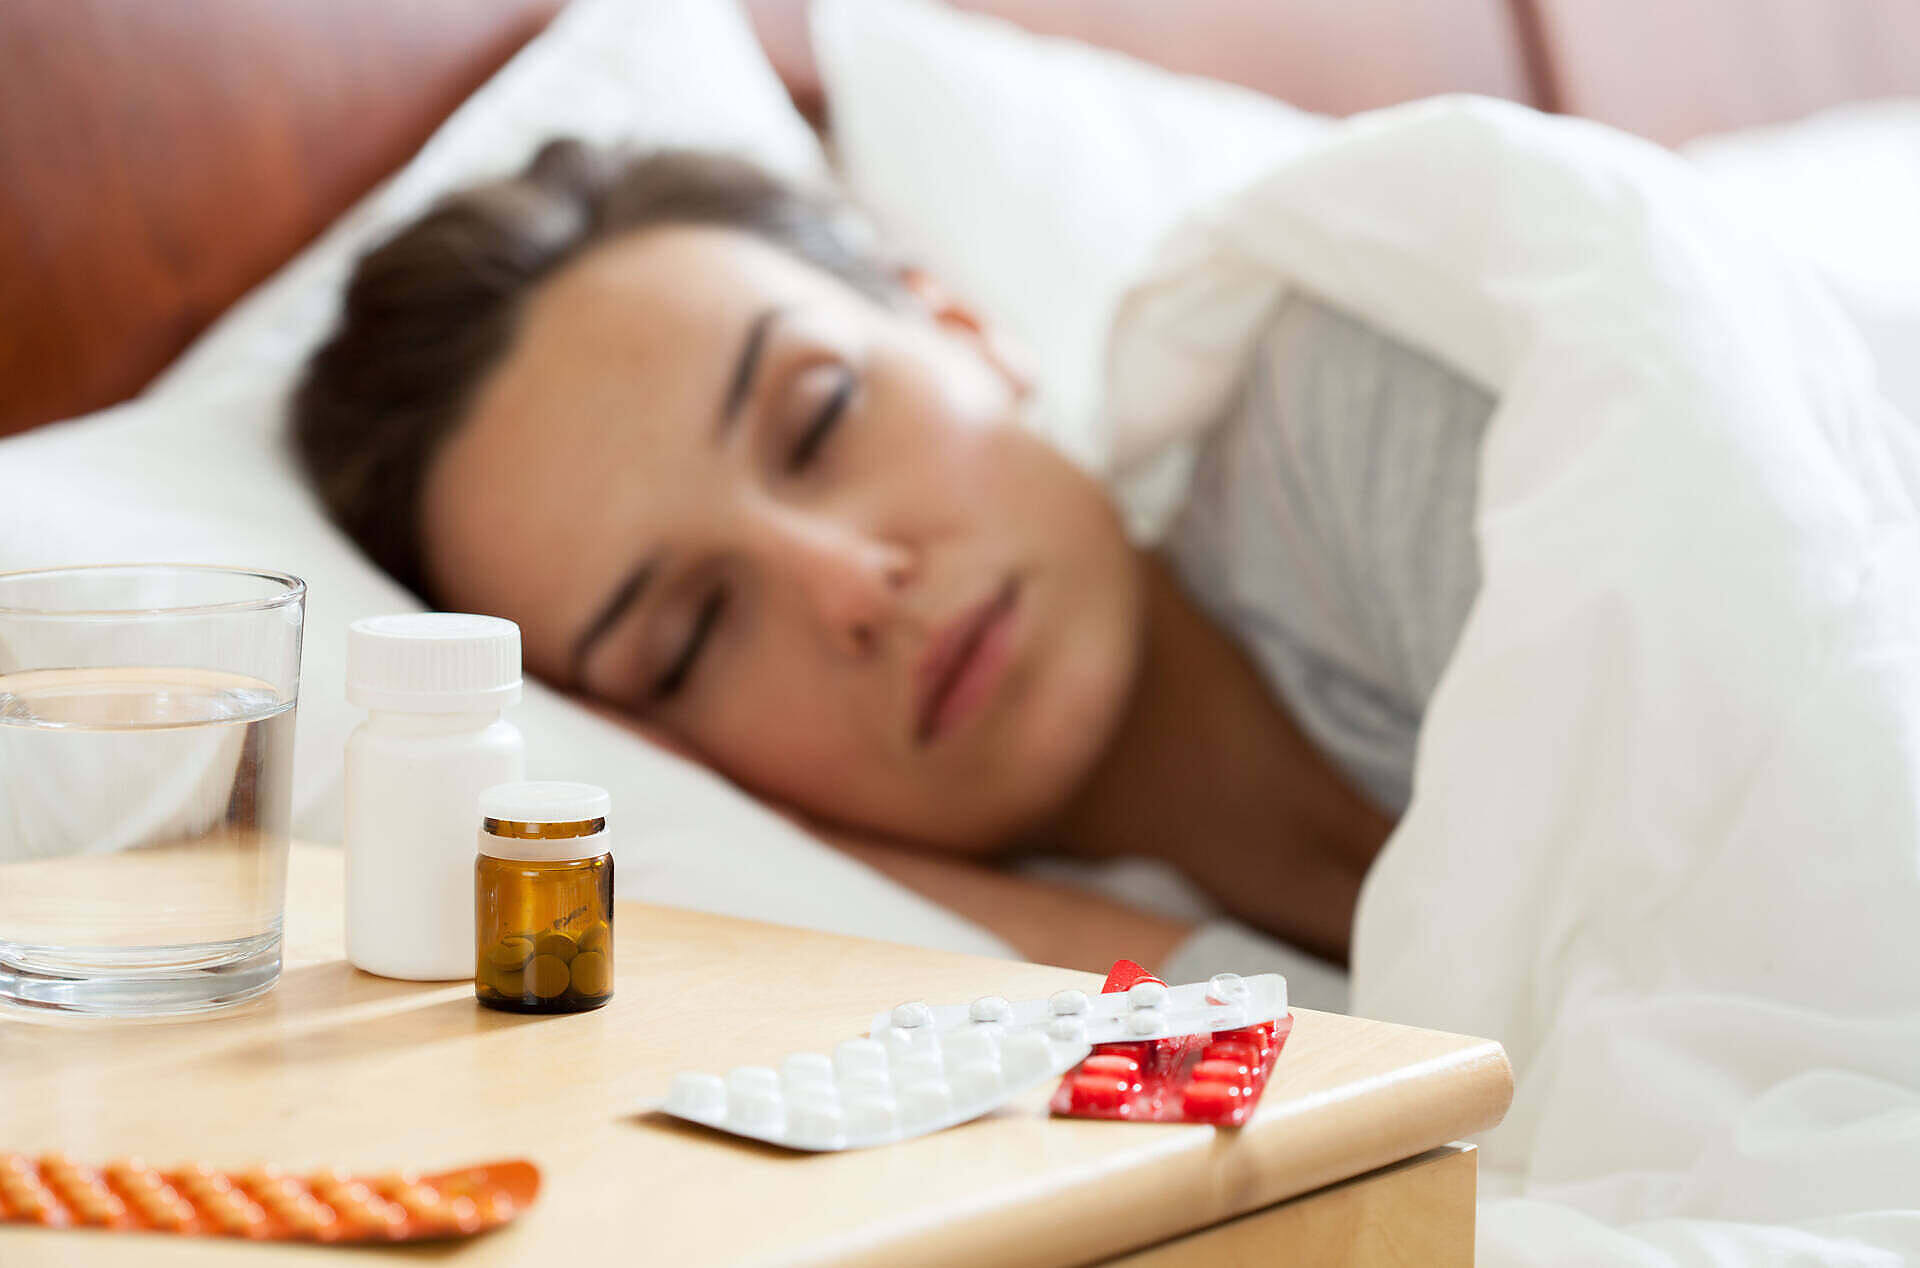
(769, 495)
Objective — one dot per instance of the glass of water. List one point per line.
(146, 752)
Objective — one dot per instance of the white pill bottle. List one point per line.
(434, 685)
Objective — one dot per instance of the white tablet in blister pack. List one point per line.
(1149, 1010)
(872, 1092)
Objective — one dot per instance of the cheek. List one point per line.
(955, 436)
(951, 479)
(772, 718)
(940, 413)
(1018, 500)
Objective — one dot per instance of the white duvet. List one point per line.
(1665, 836)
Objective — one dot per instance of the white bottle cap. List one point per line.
(433, 662)
(545, 801)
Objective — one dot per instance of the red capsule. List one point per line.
(1139, 1052)
(1209, 1101)
(1231, 1073)
(1110, 1063)
(1254, 1037)
(1099, 1091)
(1247, 1054)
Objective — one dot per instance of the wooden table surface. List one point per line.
(339, 1067)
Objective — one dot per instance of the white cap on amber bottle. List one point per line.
(544, 821)
(545, 801)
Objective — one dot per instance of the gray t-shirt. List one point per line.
(1329, 526)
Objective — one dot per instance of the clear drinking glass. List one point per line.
(146, 752)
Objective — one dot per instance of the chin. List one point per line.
(1037, 758)
(1074, 701)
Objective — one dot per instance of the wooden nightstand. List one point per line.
(1347, 1161)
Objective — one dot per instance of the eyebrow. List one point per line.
(628, 592)
(625, 595)
(743, 369)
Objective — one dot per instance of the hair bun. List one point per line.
(570, 167)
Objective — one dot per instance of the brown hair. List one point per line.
(433, 309)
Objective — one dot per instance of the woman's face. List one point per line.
(800, 532)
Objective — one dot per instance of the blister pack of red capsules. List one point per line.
(1213, 1078)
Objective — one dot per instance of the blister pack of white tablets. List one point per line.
(1148, 1010)
(875, 1091)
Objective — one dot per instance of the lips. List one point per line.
(963, 663)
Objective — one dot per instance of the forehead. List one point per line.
(640, 293)
(588, 438)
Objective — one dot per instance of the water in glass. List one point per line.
(143, 836)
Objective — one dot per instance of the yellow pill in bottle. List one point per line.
(543, 899)
(592, 973)
(556, 944)
(547, 976)
(510, 953)
(597, 936)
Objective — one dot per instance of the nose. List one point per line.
(852, 583)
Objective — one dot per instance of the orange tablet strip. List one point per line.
(264, 1203)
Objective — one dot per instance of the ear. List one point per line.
(964, 323)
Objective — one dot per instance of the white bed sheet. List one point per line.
(1665, 835)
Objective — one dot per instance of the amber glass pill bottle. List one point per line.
(543, 899)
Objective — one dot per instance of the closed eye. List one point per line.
(675, 678)
(823, 423)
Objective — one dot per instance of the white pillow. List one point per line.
(1841, 189)
(1033, 174)
(198, 469)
